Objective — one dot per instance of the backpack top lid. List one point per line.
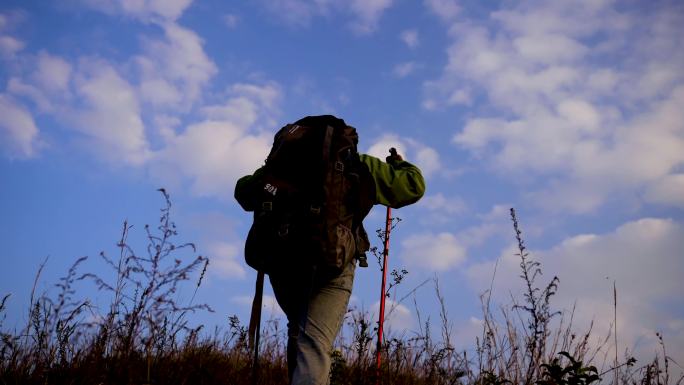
(341, 128)
(319, 120)
(323, 121)
(300, 151)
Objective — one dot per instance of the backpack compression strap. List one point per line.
(327, 144)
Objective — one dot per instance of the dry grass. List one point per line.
(144, 335)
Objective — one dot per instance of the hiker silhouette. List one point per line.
(309, 200)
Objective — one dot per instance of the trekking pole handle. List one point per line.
(394, 156)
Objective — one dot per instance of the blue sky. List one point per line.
(570, 111)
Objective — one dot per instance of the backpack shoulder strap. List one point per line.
(327, 142)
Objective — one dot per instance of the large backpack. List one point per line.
(310, 199)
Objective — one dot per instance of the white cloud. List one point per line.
(365, 13)
(380, 147)
(548, 48)
(175, 70)
(231, 20)
(11, 18)
(402, 70)
(53, 73)
(9, 46)
(438, 202)
(429, 104)
(212, 154)
(296, 12)
(224, 259)
(226, 145)
(48, 84)
(110, 118)
(268, 303)
(267, 96)
(669, 190)
(18, 130)
(558, 109)
(440, 209)
(639, 155)
(447, 10)
(460, 96)
(493, 224)
(580, 114)
(166, 126)
(95, 99)
(562, 17)
(466, 332)
(436, 252)
(498, 212)
(398, 318)
(580, 197)
(410, 38)
(425, 157)
(241, 111)
(159, 92)
(145, 10)
(220, 242)
(636, 255)
(368, 13)
(17, 87)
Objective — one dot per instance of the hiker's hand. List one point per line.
(394, 156)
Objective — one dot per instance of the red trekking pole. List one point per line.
(381, 320)
(385, 256)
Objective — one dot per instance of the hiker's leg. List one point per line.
(287, 294)
(317, 332)
(291, 351)
(290, 290)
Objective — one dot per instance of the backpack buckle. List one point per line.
(363, 261)
(267, 206)
(339, 166)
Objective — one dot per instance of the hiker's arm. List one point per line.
(244, 190)
(397, 183)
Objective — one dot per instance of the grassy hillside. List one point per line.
(144, 337)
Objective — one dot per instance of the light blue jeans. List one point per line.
(315, 306)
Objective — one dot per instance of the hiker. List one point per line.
(309, 201)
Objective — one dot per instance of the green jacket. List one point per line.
(397, 184)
